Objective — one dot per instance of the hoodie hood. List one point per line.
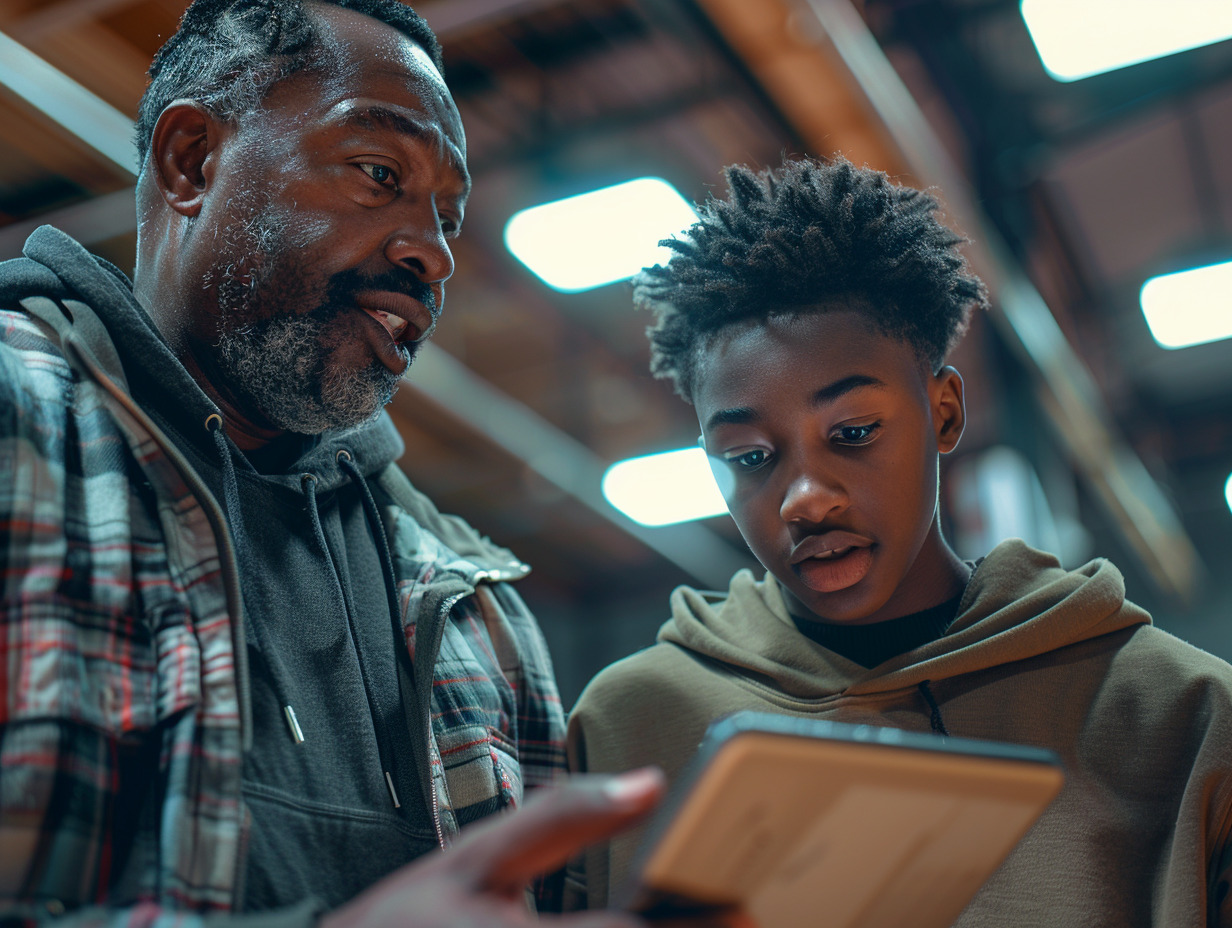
(127, 345)
(133, 352)
(1018, 603)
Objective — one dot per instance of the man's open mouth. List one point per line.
(394, 325)
(405, 318)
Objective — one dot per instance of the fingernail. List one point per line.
(634, 786)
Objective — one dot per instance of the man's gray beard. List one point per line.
(280, 365)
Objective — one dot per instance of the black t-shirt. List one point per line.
(870, 645)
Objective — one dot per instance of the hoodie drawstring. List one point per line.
(231, 508)
(309, 484)
(938, 724)
(377, 527)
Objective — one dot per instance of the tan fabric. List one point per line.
(1037, 655)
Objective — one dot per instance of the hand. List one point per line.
(481, 880)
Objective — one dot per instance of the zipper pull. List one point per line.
(293, 724)
(393, 793)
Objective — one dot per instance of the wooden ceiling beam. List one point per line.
(66, 103)
(38, 148)
(814, 92)
(96, 57)
(51, 18)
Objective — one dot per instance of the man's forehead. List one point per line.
(370, 54)
(367, 37)
(419, 54)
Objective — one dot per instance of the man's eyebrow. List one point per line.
(742, 415)
(380, 117)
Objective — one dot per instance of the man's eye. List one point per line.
(856, 434)
(750, 459)
(380, 173)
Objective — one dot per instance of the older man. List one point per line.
(246, 667)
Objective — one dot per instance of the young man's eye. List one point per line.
(856, 434)
(382, 174)
(749, 460)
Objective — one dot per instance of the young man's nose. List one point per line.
(810, 498)
(419, 244)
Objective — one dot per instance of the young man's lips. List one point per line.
(403, 317)
(827, 545)
(837, 572)
(832, 561)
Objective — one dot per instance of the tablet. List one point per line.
(808, 822)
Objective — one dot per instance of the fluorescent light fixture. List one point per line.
(1079, 38)
(1227, 491)
(1189, 307)
(662, 489)
(599, 237)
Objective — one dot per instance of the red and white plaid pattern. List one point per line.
(118, 675)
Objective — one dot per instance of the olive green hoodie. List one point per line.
(1036, 655)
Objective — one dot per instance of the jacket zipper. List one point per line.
(438, 630)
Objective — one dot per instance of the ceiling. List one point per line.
(1073, 195)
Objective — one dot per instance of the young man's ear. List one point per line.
(949, 408)
(184, 138)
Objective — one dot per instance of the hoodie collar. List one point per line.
(1019, 603)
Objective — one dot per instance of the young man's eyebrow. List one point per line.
(380, 117)
(832, 391)
(742, 415)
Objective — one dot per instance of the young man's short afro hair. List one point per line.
(809, 236)
(227, 54)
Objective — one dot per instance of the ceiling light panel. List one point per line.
(1190, 307)
(1081, 38)
(600, 237)
(665, 488)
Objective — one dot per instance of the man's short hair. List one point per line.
(227, 54)
(809, 236)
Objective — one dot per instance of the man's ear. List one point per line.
(184, 138)
(949, 408)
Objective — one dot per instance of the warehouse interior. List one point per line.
(1085, 435)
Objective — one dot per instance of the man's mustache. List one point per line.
(344, 285)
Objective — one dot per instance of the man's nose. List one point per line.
(419, 244)
(810, 497)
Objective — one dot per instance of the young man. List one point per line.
(245, 668)
(807, 318)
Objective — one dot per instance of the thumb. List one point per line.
(502, 856)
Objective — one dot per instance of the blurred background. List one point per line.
(1100, 411)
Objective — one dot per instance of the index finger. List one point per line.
(504, 855)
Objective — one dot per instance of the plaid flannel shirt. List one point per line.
(121, 652)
